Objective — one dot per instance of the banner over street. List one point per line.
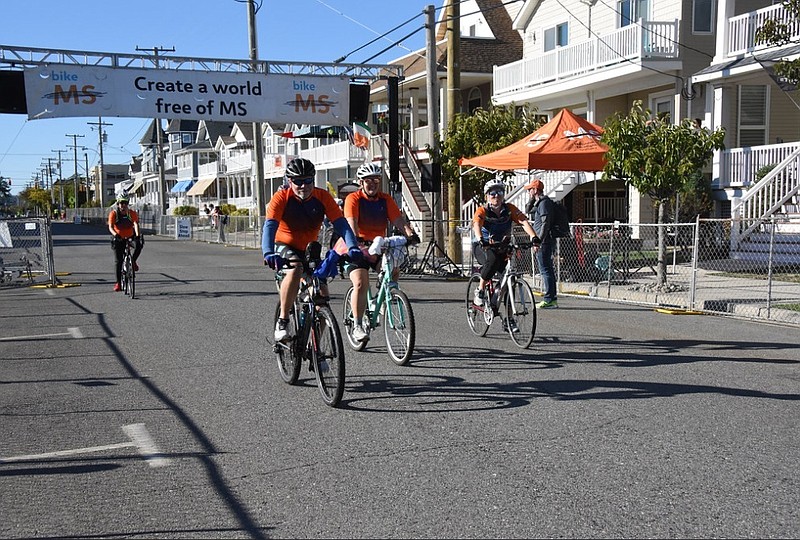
(62, 90)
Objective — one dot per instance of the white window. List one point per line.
(753, 107)
(557, 36)
(630, 11)
(703, 16)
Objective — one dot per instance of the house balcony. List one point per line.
(741, 30)
(237, 164)
(334, 156)
(209, 170)
(594, 61)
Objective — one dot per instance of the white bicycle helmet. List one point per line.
(369, 170)
(493, 184)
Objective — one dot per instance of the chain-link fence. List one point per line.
(746, 269)
(26, 249)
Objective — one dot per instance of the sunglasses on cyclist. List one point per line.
(496, 193)
(303, 181)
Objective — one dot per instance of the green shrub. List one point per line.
(186, 211)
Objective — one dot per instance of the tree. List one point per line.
(483, 131)
(38, 198)
(658, 158)
(775, 32)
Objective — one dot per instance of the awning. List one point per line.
(200, 187)
(136, 187)
(182, 186)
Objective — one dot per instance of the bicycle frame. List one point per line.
(382, 297)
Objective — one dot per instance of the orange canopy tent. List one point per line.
(565, 143)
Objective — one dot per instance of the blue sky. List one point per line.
(297, 30)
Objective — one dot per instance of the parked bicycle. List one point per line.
(390, 307)
(128, 275)
(314, 334)
(509, 298)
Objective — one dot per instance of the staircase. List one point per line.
(415, 205)
(767, 218)
(557, 184)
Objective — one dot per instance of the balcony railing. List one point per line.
(742, 29)
(649, 39)
(243, 162)
(334, 154)
(738, 166)
(209, 169)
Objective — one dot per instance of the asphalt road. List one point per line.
(165, 416)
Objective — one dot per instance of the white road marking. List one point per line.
(144, 442)
(74, 332)
(140, 439)
(62, 453)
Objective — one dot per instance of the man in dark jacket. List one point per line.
(542, 212)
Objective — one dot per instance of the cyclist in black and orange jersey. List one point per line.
(123, 223)
(368, 211)
(491, 224)
(294, 218)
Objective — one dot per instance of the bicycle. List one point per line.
(128, 275)
(391, 304)
(314, 334)
(509, 298)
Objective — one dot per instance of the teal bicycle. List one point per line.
(389, 308)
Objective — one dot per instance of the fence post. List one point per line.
(695, 258)
(769, 265)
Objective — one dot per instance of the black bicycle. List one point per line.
(314, 334)
(508, 298)
(128, 276)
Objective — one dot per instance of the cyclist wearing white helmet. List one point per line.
(368, 212)
(294, 218)
(491, 224)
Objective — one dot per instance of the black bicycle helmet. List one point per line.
(300, 168)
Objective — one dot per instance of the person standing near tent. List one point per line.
(542, 211)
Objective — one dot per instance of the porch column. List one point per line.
(413, 103)
(725, 10)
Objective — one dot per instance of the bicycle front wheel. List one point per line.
(398, 327)
(349, 322)
(131, 281)
(520, 313)
(328, 356)
(289, 360)
(475, 316)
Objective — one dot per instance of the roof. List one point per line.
(150, 136)
(177, 125)
(747, 63)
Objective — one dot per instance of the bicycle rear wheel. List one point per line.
(289, 360)
(520, 313)
(398, 327)
(348, 322)
(328, 356)
(475, 315)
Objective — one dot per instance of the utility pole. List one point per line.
(75, 157)
(86, 170)
(258, 142)
(101, 188)
(453, 108)
(60, 182)
(433, 108)
(50, 178)
(162, 192)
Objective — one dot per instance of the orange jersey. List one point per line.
(371, 215)
(299, 221)
(123, 225)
